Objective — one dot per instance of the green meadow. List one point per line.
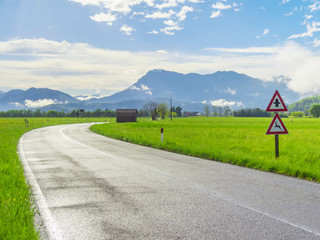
(16, 199)
(239, 141)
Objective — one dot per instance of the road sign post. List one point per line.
(277, 126)
(277, 145)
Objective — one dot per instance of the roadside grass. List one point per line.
(16, 199)
(239, 141)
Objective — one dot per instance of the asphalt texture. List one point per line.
(91, 187)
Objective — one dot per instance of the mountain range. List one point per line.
(189, 91)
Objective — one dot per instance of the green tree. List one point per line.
(179, 111)
(152, 109)
(206, 109)
(163, 110)
(315, 110)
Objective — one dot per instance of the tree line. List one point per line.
(51, 113)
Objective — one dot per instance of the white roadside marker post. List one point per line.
(161, 134)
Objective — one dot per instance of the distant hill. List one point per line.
(189, 91)
(1, 93)
(33, 98)
(228, 88)
(304, 104)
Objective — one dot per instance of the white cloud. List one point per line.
(149, 93)
(162, 52)
(314, 27)
(40, 103)
(184, 10)
(133, 87)
(315, 6)
(230, 91)
(316, 42)
(224, 103)
(265, 32)
(62, 65)
(127, 30)
(170, 23)
(220, 6)
(121, 6)
(104, 17)
(168, 4)
(153, 32)
(144, 87)
(216, 14)
(170, 30)
(157, 15)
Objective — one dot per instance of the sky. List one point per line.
(105, 46)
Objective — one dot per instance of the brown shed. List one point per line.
(126, 115)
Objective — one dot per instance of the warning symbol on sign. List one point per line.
(276, 104)
(277, 126)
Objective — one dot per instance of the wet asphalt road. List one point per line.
(91, 187)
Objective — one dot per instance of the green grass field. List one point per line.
(240, 141)
(16, 213)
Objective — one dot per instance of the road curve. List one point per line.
(91, 187)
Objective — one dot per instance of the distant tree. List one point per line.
(179, 111)
(206, 109)
(306, 112)
(163, 109)
(227, 111)
(152, 109)
(215, 110)
(315, 110)
(297, 114)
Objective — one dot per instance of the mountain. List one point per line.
(304, 104)
(1, 93)
(33, 98)
(220, 88)
(189, 91)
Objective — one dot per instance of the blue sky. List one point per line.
(104, 46)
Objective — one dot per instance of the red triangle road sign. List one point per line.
(276, 104)
(277, 126)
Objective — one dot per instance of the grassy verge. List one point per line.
(240, 141)
(16, 214)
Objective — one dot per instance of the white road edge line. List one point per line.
(40, 201)
(301, 227)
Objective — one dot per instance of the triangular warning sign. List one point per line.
(276, 104)
(277, 126)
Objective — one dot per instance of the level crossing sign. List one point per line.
(276, 104)
(277, 126)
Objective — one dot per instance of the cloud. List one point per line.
(157, 15)
(183, 12)
(40, 103)
(26, 63)
(224, 103)
(230, 91)
(216, 14)
(121, 6)
(314, 27)
(104, 17)
(265, 32)
(220, 6)
(127, 30)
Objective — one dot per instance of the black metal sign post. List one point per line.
(277, 145)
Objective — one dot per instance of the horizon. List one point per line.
(103, 46)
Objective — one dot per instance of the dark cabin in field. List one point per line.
(126, 115)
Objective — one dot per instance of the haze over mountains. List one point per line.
(190, 91)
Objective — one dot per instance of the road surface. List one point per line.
(91, 187)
